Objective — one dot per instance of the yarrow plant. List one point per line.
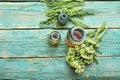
(73, 8)
(84, 54)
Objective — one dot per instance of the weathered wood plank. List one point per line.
(40, 0)
(20, 0)
(29, 14)
(57, 68)
(33, 43)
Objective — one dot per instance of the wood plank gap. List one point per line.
(118, 56)
(50, 28)
(31, 57)
(39, 0)
(52, 57)
(33, 28)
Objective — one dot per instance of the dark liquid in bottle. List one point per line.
(77, 34)
(55, 36)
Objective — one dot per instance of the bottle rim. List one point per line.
(55, 36)
(82, 31)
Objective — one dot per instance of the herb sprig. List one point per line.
(84, 54)
(73, 8)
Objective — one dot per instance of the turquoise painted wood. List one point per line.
(57, 69)
(33, 43)
(26, 55)
(29, 14)
(40, 0)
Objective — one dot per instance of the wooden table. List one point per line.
(25, 53)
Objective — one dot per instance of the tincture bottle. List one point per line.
(63, 19)
(54, 38)
(75, 36)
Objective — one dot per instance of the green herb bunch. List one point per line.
(73, 8)
(84, 54)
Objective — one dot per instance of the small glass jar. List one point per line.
(63, 19)
(75, 36)
(54, 38)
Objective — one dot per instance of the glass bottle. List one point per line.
(75, 36)
(54, 38)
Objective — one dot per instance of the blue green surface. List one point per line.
(26, 55)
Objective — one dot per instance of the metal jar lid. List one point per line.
(75, 36)
(54, 38)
